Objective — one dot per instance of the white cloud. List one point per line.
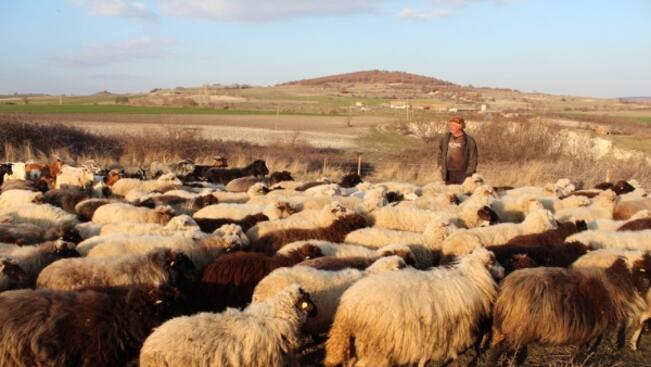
(266, 10)
(116, 8)
(104, 54)
(414, 15)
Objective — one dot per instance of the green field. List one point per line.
(129, 109)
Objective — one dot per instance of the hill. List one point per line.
(373, 77)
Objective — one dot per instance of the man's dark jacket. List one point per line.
(470, 153)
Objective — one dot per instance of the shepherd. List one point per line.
(457, 153)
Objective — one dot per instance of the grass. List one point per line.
(130, 109)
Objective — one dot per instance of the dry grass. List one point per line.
(507, 157)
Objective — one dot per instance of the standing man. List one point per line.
(457, 153)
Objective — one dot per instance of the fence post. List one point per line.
(325, 162)
(359, 165)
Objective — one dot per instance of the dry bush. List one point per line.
(23, 140)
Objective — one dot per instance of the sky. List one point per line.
(593, 48)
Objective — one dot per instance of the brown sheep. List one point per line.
(66, 199)
(335, 232)
(91, 327)
(224, 175)
(180, 205)
(561, 255)
(627, 209)
(636, 225)
(557, 306)
(229, 281)
(209, 225)
(552, 237)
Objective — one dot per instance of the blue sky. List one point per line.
(585, 48)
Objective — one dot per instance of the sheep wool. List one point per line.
(264, 334)
(444, 306)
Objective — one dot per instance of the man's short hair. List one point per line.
(458, 120)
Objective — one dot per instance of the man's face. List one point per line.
(455, 128)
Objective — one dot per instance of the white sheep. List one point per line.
(633, 240)
(407, 190)
(182, 225)
(325, 287)
(273, 211)
(121, 212)
(160, 266)
(263, 334)
(513, 209)
(601, 207)
(561, 188)
(87, 230)
(463, 241)
(202, 252)
(254, 191)
(42, 215)
(444, 306)
(432, 237)
(32, 259)
(124, 185)
(421, 256)
(305, 219)
(613, 224)
(13, 198)
(19, 172)
(75, 177)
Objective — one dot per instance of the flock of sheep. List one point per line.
(216, 266)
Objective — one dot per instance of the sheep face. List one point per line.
(6, 168)
(487, 217)
(304, 303)
(233, 236)
(642, 274)
(181, 222)
(220, 161)
(285, 209)
(258, 189)
(402, 251)
(306, 252)
(180, 269)
(259, 168)
(12, 270)
(334, 211)
(389, 263)
(622, 187)
(163, 301)
(489, 261)
(65, 249)
(281, 176)
(204, 201)
(165, 214)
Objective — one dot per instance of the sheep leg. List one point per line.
(521, 356)
(635, 338)
(496, 352)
